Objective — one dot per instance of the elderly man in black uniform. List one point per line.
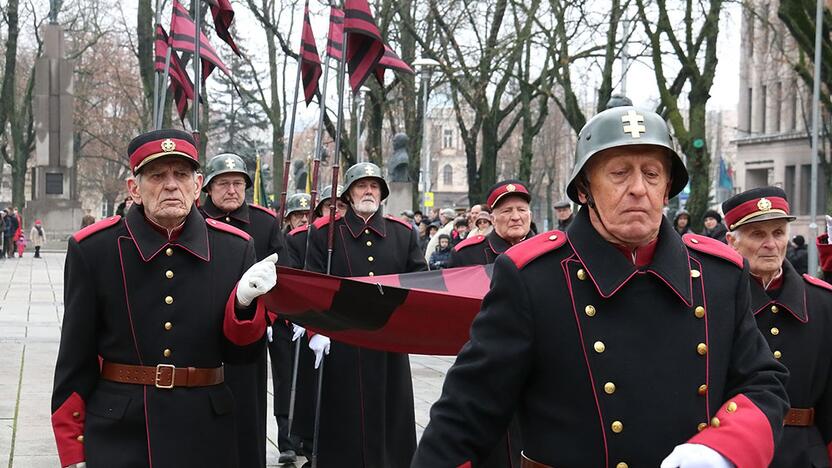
(794, 313)
(297, 211)
(226, 181)
(296, 239)
(623, 345)
(367, 417)
(155, 304)
(509, 202)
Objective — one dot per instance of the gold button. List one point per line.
(617, 426)
(622, 465)
(553, 237)
(76, 414)
(590, 310)
(694, 241)
(366, 231)
(370, 258)
(715, 422)
(731, 407)
(775, 309)
(699, 312)
(775, 331)
(599, 347)
(169, 251)
(369, 243)
(168, 300)
(702, 349)
(169, 274)
(167, 352)
(168, 325)
(609, 388)
(581, 274)
(695, 274)
(80, 438)
(701, 427)
(703, 389)
(778, 355)
(372, 274)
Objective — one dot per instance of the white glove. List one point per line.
(78, 465)
(829, 228)
(319, 344)
(695, 456)
(258, 280)
(297, 332)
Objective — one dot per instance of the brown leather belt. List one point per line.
(800, 417)
(163, 375)
(526, 462)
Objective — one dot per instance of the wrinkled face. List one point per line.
(167, 189)
(227, 191)
(563, 213)
(710, 223)
(365, 196)
(629, 186)
(297, 219)
(763, 244)
(326, 204)
(512, 218)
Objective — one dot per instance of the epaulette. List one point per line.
(817, 282)
(523, 253)
(298, 230)
(227, 228)
(469, 241)
(400, 221)
(263, 209)
(95, 227)
(713, 247)
(324, 220)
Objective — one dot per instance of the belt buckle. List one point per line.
(159, 371)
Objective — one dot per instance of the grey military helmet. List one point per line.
(625, 126)
(326, 194)
(360, 171)
(297, 202)
(225, 163)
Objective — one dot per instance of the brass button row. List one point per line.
(169, 274)
(777, 354)
(168, 326)
(169, 251)
(167, 352)
(369, 243)
(702, 349)
(775, 309)
(699, 312)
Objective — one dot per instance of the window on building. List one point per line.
(778, 106)
(763, 109)
(448, 175)
(749, 117)
(448, 138)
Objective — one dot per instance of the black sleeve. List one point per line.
(416, 259)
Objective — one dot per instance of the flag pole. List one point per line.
(197, 72)
(156, 77)
(163, 93)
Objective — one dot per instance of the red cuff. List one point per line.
(243, 332)
(465, 465)
(68, 426)
(824, 252)
(741, 433)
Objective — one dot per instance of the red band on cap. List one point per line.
(752, 207)
(154, 148)
(507, 189)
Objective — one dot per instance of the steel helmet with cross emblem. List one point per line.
(625, 126)
(364, 170)
(224, 164)
(298, 202)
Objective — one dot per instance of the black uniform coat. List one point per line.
(130, 293)
(248, 382)
(796, 320)
(367, 418)
(478, 250)
(606, 363)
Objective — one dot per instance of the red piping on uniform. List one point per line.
(688, 301)
(779, 304)
(127, 297)
(598, 288)
(565, 269)
(133, 238)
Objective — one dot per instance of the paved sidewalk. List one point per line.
(31, 309)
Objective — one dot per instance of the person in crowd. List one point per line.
(563, 212)
(297, 211)
(460, 231)
(38, 237)
(439, 258)
(681, 222)
(714, 228)
(12, 231)
(798, 255)
(87, 220)
(417, 217)
(483, 225)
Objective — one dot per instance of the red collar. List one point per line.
(775, 283)
(170, 234)
(640, 256)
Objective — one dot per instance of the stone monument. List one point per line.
(398, 177)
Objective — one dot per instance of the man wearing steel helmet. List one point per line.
(367, 416)
(155, 304)
(297, 211)
(226, 181)
(621, 345)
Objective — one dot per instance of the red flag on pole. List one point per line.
(182, 31)
(180, 83)
(310, 62)
(223, 15)
(335, 38)
(391, 60)
(364, 45)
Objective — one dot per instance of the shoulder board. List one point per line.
(403, 223)
(263, 209)
(298, 230)
(324, 220)
(219, 226)
(95, 227)
(528, 250)
(713, 247)
(817, 282)
(469, 241)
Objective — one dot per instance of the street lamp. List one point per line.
(425, 65)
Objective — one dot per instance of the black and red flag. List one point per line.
(223, 15)
(391, 60)
(416, 313)
(335, 37)
(182, 33)
(182, 88)
(364, 45)
(310, 62)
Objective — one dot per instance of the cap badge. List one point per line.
(764, 204)
(633, 124)
(369, 170)
(168, 145)
(229, 163)
(304, 203)
(510, 188)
